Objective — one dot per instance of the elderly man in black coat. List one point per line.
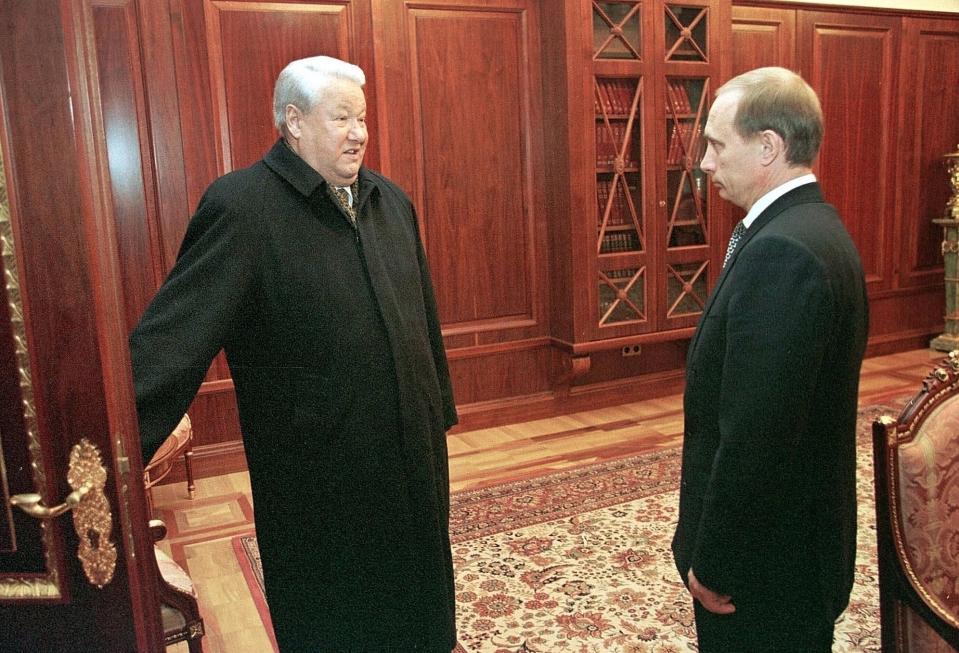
(308, 270)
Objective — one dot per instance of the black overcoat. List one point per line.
(768, 491)
(333, 342)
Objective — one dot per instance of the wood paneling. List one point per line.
(476, 121)
(850, 61)
(929, 104)
(121, 107)
(248, 44)
(763, 37)
(470, 109)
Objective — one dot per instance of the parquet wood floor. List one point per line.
(200, 529)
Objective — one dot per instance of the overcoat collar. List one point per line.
(287, 164)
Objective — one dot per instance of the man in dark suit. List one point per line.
(766, 538)
(308, 270)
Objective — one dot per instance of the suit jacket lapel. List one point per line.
(805, 194)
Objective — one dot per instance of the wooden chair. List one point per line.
(179, 442)
(917, 517)
(179, 611)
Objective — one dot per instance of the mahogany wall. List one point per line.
(887, 83)
(461, 95)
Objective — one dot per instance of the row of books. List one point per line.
(614, 96)
(685, 144)
(619, 275)
(677, 97)
(610, 141)
(619, 212)
(619, 241)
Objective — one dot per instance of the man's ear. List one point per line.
(293, 118)
(772, 146)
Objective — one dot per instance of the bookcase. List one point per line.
(652, 68)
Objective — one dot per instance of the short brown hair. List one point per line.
(779, 100)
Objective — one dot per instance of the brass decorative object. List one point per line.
(92, 518)
(48, 585)
(949, 339)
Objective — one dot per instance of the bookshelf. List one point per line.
(651, 75)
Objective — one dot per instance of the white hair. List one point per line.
(302, 82)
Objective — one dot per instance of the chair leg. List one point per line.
(188, 461)
(149, 494)
(195, 645)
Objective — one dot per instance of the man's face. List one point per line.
(332, 137)
(732, 163)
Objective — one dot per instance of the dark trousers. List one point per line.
(753, 629)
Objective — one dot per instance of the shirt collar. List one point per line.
(763, 202)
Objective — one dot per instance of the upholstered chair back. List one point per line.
(917, 507)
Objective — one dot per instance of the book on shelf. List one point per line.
(603, 92)
(625, 95)
(620, 276)
(621, 203)
(685, 144)
(619, 241)
(613, 95)
(677, 97)
(610, 138)
(602, 197)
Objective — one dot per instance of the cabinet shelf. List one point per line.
(635, 174)
(609, 170)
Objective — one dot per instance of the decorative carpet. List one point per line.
(579, 561)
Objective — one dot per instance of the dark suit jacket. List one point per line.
(344, 397)
(768, 492)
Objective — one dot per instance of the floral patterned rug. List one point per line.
(579, 561)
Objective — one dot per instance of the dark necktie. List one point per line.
(738, 231)
(342, 200)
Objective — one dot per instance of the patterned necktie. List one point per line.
(734, 239)
(342, 200)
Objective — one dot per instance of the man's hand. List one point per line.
(717, 603)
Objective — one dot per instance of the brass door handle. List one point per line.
(92, 519)
(32, 504)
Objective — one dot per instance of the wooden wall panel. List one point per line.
(243, 81)
(123, 117)
(522, 370)
(476, 130)
(458, 111)
(929, 104)
(763, 37)
(849, 60)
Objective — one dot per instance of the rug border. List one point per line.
(259, 599)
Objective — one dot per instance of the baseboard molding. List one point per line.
(560, 402)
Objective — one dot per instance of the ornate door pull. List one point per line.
(91, 512)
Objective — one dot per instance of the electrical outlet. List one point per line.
(632, 350)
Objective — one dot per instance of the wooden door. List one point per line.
(65, 386)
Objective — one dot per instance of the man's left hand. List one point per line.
(716, 603)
